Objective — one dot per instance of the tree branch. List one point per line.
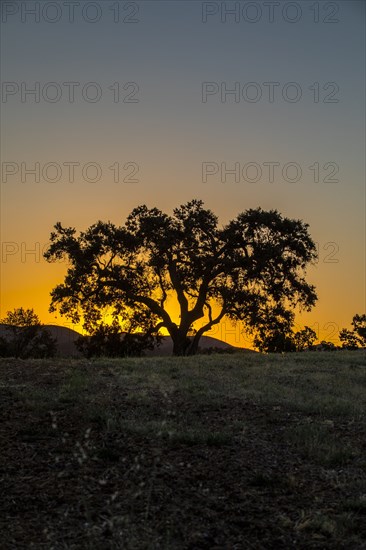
(161, 282)
(182, 299)
(197, 311)
(150, 303)
(205, 328)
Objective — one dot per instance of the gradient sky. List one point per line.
(169, 52)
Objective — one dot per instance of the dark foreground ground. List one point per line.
(215, 452)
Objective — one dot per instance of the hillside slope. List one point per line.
(66, 338)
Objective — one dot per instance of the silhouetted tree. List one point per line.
(278, 337)
(349, 339)
(326, 346)
(21, 317)
(111, 341)
(273, 332)
(359, 327)
(25, 336)
(245, 270)
(304, 338)
(356, 338)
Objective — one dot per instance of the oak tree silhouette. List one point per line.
(247, 270)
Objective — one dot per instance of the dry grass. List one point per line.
(236, 451)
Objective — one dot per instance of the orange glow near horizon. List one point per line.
(29, 283)
(150, 143)
(27, 279)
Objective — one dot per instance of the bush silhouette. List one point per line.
(25, 336)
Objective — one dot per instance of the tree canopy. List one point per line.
(25, 336)
(277, 336)
(109, 340)
(355, 338)
(21, 317)
(252, 269)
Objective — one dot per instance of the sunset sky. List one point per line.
(141, 86)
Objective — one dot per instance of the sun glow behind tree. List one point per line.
(252, 270)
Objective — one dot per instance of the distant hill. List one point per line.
(206, 342)
(65, 338)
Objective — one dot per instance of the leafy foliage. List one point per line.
(359, 327)
(304, 338)
(326, 346)
(110, 341)
(273, 334)
(25, 336)
(353, 339)
(276, 339)
(252, 269)
(20, 317)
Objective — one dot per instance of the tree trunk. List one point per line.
(193, 347)
(181, 344)
(184, 345)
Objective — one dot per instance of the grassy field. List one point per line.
(212, 452)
